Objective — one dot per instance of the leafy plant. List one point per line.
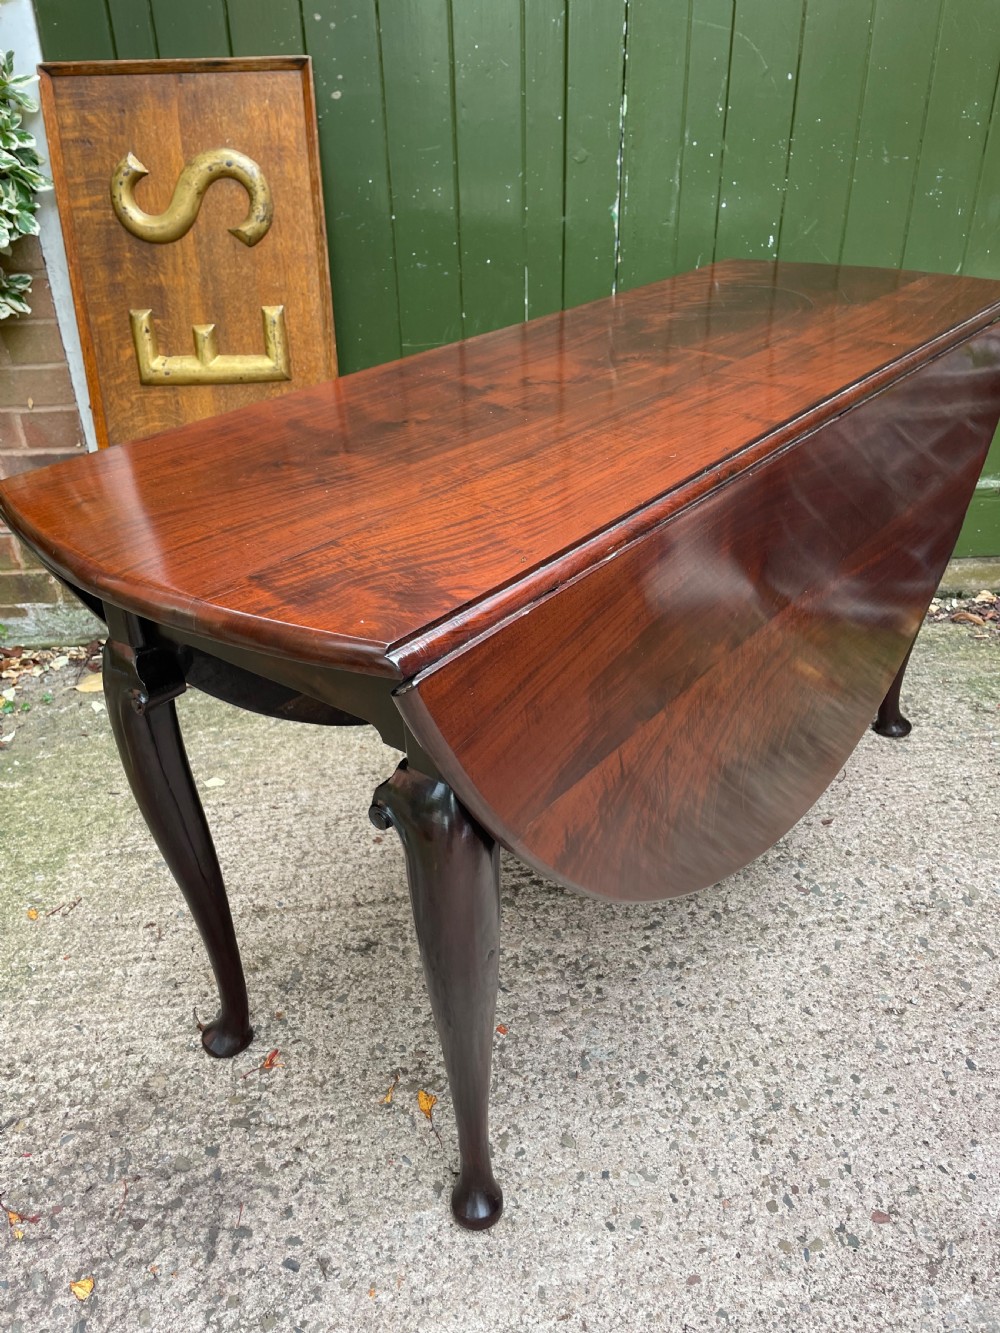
(20, 181)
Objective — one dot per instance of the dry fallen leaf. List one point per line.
(387, 1099)
(18, 1233)
(82, 1289)
(371, 1291)
(269, 1062)
(427, 1102)
(32, 913)
(502, 1029)
(968, 618)
(93, 684)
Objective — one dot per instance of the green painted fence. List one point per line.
(491, 160)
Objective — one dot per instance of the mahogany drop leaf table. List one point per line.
(624, 586)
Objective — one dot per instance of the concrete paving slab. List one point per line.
(773, 1105)
(966, 577)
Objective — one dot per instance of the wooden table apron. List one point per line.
(625, 585)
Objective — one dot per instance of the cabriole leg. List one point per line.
(140, 685)
(890, 721)
(453, 869)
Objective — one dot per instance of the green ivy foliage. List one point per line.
(20, 181)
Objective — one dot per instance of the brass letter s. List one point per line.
(178, 217)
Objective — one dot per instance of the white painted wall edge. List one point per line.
(19, 33)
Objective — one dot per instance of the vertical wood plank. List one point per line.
(344, 46)
(191, 28)
(265, 27)
(961, 97)
(980, 535)
(489, 143)
(762, 76)
(890, 130)
(75, 30)
(419, 106)
(831, 83)
(132, 23)
(654, 137)
(163, 115)
(594, 86)
(707, 94)
(982, 255)
(544, 64)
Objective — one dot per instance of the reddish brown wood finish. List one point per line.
(166, 111)
(382, 520)
(646, 570)
(662, 720)
(453, 869)
(140, 684)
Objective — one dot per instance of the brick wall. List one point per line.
(39, 422)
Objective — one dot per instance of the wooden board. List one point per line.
(344, 45)
(595, 82)
(754, 168)
(657, 723)
(383, 520)
(830, 82)
(642, 572)
(653, 139)
(420, 139)
(165, 113)
(544, 57)
(963, 83)
(134, 34)
(75, 29)
(489, 155)
(890, 131)
(708, 62)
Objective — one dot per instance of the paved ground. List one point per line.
(774, 1105)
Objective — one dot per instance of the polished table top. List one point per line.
(626, 584)
(382, 520)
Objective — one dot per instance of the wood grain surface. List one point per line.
(646, 568)
(382, 520)
(166, 112)
(662, 720)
